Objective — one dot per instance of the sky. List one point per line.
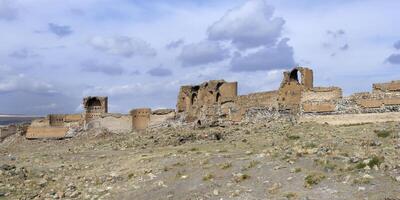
(139, 52)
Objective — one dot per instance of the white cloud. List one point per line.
(202, 53)
(122, 46)
(251, 25)
(21, 82)
(278, 57)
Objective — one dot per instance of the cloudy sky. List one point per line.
(139, 52)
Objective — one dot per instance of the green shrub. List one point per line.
(383, 133)
(313, 179)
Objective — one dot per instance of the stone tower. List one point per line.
(94, 107)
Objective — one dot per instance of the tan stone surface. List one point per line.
(393, 86)
(46, 132)
(140, 118)
(370, 103)
(95, 107)
(322, 94)
(342, 119)
(319, 107)
(7, 131)
(392, 101)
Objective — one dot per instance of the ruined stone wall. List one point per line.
(331, 103)
(46, 132)
(140, 118)
(162, 117)
(64, 120)
(320, 99)
(7, 131)
(261, 99)
(318, 94)
(56, 120)
(292, 87)
(393, 86)
(204, 100)
(41, 122)
(348, 119)
(113, 122)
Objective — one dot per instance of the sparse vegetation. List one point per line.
(226, 165)
(360, 165)
(383, 133)
(375, 160)
(290, 195)
(293, 137)
(240, 177)
(313, 179)
(252, 164)
(208, 177)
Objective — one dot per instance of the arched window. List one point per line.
(93, 102)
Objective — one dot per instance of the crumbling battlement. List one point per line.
(296, 96)
(216, 102)
(94, 107)
(393, 86)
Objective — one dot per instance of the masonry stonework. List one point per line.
(217, 101)
(94, 107)
(140, 118)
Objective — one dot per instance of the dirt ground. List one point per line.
(249, 161)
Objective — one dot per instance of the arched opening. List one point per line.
(93, 102)
(217, 99)
(194, 98)
(294, 75)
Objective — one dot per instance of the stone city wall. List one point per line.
(7, 131)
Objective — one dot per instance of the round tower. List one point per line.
(140, 118)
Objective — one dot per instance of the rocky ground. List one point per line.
(247, 161)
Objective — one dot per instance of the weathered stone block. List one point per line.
(46, 132)
(370, 103)
(319, 107)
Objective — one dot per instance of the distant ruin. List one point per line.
(296, 97)
(217, 102)
(94, 107)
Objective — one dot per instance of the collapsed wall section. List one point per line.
(113, 122)
(7, 131)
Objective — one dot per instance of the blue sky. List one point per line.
(53, 53)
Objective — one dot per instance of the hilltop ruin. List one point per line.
(217, 102)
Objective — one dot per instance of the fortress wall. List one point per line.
(7, 131)
(347, 119)
(160, 117)
(318, 94)
(320, 107)
(46, 132)
(73, 118)
(261, 99)
(112, 122)
(42, 122)
(393, 86)
(227, 92)
(56, 120)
